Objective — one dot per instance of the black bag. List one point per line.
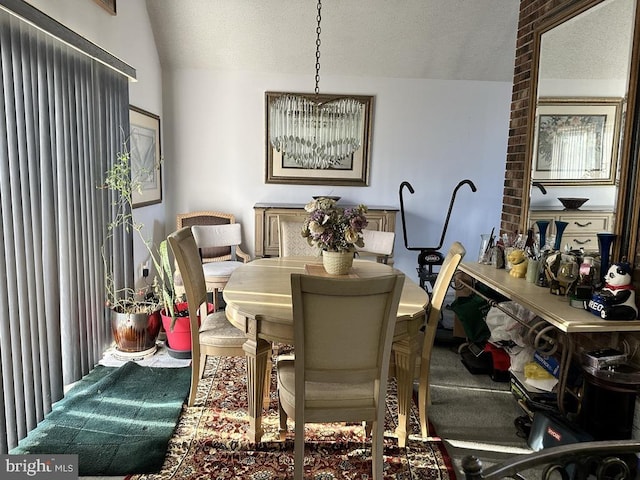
(477, 363)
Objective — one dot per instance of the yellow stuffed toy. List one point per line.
(518, 261)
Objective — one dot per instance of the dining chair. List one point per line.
(378, 246)
(211, 254)
(217, 272)
(215, 335)
(343, 329)
(208, 254)
(445, 275)
(290, 239)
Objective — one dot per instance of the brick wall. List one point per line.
(532, 14)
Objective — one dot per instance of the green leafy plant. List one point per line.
(161, 292)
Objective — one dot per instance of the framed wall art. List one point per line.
(144, 150)
(352, 171)
(108, 5)
(576, 140)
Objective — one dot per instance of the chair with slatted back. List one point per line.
(343, 329)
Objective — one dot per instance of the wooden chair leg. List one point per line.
(368, 429)
(267, 385)
(196, 373)
(377, 446)
(424, 397)
(283, 422)
(298, 457)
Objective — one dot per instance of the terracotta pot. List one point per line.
(135, 332)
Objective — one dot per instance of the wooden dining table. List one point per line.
(258, 301)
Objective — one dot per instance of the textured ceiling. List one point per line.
(593, 45)
(435, 39)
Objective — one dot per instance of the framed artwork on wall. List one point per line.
(576, 140)
(108, 5)
(145, 154)
(352, 171)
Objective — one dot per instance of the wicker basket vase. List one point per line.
(337, 263)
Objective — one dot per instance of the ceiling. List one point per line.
(430, 39)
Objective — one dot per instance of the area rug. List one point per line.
(211, 442)
(117, 420)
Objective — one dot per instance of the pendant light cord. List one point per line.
(318, 29)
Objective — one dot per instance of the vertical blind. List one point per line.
(63, 114)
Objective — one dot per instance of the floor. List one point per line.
(473, 414)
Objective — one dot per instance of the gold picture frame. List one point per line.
(354, 172)
(145, 155)
(108, 5)
(576, 140)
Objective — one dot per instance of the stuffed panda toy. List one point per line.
(619, 294)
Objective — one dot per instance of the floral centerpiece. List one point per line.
(334, 229)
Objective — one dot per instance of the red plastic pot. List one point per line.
(180, 337)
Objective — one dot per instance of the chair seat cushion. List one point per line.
(217, 331)
(222, 270)
(321, 395)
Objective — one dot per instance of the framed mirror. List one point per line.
(579, 128)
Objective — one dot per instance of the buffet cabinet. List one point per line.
(582, 229)
(266, 223)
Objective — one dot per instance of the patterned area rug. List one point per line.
(210, 441)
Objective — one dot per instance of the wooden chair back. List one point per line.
(210, 237)
(449, 266)
(208, 218)
(186, 253)
(343, 329)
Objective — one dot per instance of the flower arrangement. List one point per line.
(333, 228)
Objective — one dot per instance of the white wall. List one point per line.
(431, 133)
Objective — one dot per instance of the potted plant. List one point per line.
(135, 313)
(175, 312)
(336, 231)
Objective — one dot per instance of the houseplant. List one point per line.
(175, 312)
(135, 313)
(336, 231)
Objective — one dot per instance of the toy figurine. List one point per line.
(518, 261)
(617, 299)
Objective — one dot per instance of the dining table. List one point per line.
(258, 302)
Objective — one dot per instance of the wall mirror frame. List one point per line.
(626, 182)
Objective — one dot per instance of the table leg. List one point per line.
(257, 352)
(405, 354)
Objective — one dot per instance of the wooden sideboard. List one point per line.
(583, 225)
(266, 223)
